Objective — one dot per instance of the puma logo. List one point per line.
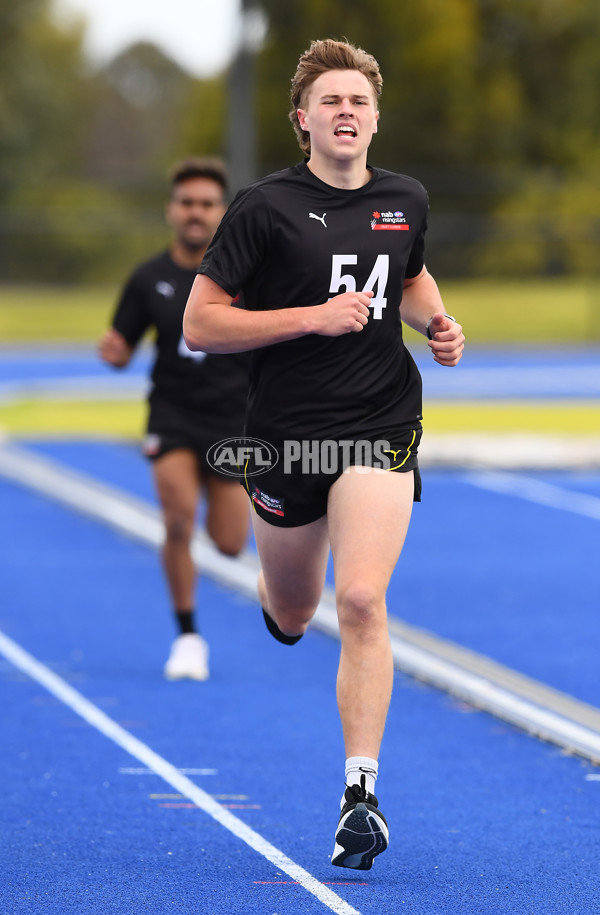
(320, 218)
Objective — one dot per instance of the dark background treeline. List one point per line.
(493, 104)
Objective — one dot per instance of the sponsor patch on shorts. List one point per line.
(151, 444)
(267, 502)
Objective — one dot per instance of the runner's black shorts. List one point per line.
(295, 490)
(171, 427)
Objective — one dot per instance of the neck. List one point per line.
(347, 175)
(188, 258)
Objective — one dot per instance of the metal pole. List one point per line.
(241, 133)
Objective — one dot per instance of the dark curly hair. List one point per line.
(198, 167)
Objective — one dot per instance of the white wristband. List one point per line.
(428, 332)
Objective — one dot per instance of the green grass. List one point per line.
(527, 311)
(491, 311)
(52, 314)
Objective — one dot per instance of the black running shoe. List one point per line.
(362, 831)
(277, 633)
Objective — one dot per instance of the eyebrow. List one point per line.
(335, 95)
(189, 201)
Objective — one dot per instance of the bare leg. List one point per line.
(228, 514)
(178, 485)
(369, 513)
(294, 562)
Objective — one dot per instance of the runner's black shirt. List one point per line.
(292, 240)
(155, 297)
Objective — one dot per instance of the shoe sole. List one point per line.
(360, 836)
(188, 676)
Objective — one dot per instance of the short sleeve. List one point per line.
(131, 317)
(416, 258)
(240, 243)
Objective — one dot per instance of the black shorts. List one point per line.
(155, 446)
(295, 491)
(171, 427)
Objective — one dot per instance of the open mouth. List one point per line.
(345, 130)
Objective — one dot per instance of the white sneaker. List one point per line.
(188, 658)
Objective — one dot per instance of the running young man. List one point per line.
(326, 253)
(195, 400)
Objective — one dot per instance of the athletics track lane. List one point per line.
(483, 818)
(486, 373)
(523, 576)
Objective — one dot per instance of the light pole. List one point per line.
(241, 132)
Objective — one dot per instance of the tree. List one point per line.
(493, 104)
(43, 78)
(141, 98)
(83, 155)
(479, 97)
(467, 82)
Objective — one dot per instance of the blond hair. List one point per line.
(320, 57)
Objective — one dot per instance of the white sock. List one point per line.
(356, 767)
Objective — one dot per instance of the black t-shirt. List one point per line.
(155, 297)
(291, 240)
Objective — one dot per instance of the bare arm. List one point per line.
(212, 325)
(114, 349)
(422, 305)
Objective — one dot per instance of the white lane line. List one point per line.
(135, 770)
(511, 451)
(172, 776)
(121, 511)
(489, 696)
(75, 388)
(542, 493)
(477, 683)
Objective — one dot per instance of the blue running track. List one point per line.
(126, 794)
(485, 373)
(483, 818)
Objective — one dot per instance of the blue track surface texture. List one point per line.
(483, 819)
(485, 373)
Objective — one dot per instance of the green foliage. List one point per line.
(493, 104)
(83, 157)
(551, 227)
(43, 86)
(140, 101)
(76, 232)
(466, 82)
(202, 129)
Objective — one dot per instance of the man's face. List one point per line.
(195, 210)
(340, 114)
